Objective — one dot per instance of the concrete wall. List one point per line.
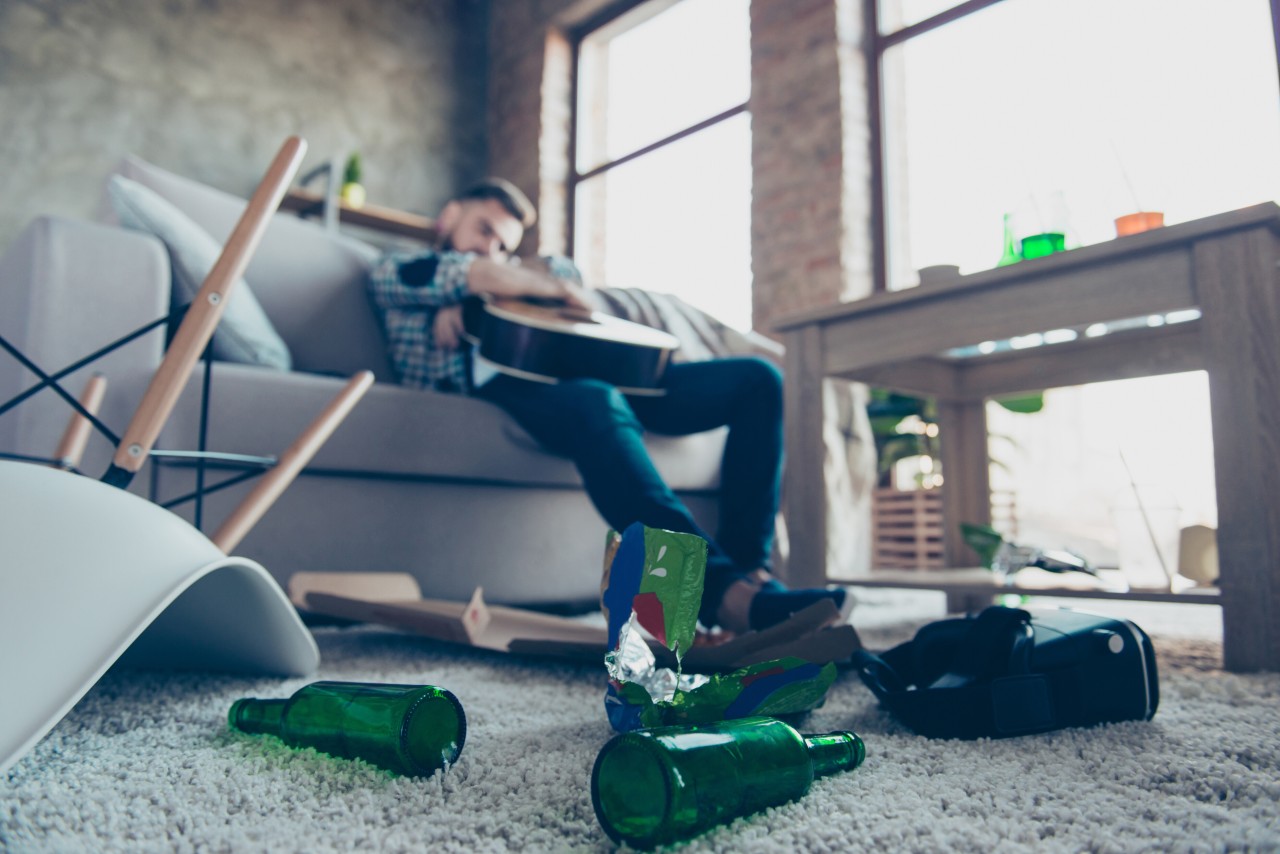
(209, 89)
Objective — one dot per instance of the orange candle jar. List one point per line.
(1138, 222)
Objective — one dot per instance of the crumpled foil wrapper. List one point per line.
(633, 662)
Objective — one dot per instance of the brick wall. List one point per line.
(529, 106)
(810, 237)
(809, 229)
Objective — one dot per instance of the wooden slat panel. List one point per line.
(907, 525)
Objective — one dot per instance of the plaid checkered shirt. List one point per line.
(408, 289)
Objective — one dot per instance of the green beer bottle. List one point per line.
(1010, 254)
(651, 787)
(412, 730)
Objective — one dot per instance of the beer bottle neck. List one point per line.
(834, 751)
(257, 716)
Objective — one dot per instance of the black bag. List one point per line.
(1012, 672)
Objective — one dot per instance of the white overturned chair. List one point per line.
(92, 575)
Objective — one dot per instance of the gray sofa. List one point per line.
(445, 487)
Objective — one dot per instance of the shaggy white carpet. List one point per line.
(146, 763)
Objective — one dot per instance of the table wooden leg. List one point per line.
(803, 491)
(1238, 285)
(966, 496)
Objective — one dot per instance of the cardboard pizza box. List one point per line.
(394, 599)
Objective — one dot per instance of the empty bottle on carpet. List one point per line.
(413, 730)
(655, 786)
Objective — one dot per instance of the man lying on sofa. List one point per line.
(418, 296)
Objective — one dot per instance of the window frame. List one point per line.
(878, 44)
(577, 35)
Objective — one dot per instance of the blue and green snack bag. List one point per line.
(653, 585)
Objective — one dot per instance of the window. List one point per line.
(1063, 115)
(661, 184)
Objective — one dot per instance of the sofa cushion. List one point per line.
(401, 432)
(244, 334)
(310, 281)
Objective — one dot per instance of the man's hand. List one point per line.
(576, 296)
(509, 280)
(447, 327)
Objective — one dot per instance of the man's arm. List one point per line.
(434, 280)
(511, 280)
(508, 280)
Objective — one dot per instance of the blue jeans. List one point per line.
(601, 430)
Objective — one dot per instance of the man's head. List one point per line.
(488, 218)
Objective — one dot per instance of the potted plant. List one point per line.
(352, 192)
(904, 426)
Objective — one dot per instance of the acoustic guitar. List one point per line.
(552, 342)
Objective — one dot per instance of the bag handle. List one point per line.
(973, 646)
(988, 647)
(986, 687)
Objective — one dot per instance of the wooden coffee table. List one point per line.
(1226, 266)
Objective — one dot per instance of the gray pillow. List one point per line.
(245, 333)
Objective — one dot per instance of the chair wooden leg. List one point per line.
(206, 309)
(71, 447)
(292, 461)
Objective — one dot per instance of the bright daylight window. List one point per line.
(1063, 115)
(1069, 113)
(662, 179)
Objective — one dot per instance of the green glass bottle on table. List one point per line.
(1010, 254)
(655, 786)
(412, 730)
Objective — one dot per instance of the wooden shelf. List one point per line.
(982, 582)
(307, 203)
